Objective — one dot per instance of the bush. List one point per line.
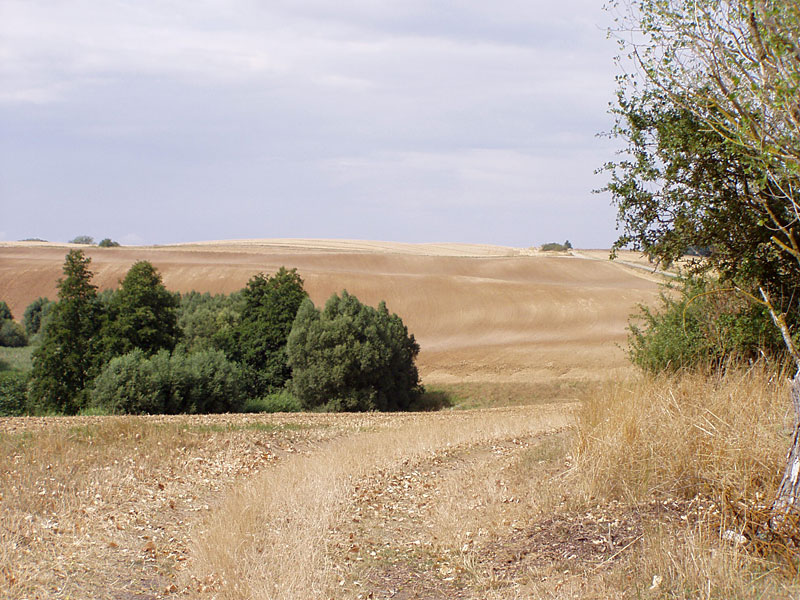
(278, 402)
(701, 323)
(13, 394)
(12, 334)
(202, 382)
(352, 357)
(35, 314)
(207, 322)
(108, 243)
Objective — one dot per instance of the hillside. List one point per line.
(480, 313)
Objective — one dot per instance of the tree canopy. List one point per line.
(352, 357)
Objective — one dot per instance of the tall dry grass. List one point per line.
(685, 434)
(712, 436)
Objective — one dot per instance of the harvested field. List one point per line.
(482, 314)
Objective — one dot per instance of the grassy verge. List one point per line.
(16, 359)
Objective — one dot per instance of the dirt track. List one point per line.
(480, 313)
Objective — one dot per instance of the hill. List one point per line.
(482, 314)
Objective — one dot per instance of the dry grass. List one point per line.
(277, 535)
(700, 436)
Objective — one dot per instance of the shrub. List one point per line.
(701, 323)
(13, 394)
(35, 314)
(351, 357)
(207, 322)
(12, 335)
(278, 402)
(202, 382)
(108, 243)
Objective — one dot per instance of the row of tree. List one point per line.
(142, 348)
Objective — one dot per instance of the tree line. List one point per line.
(143, 349)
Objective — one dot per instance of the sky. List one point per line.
(166, 121)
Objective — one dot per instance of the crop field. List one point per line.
(504, 495)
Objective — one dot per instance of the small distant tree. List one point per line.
(35, 314)
(258, 341)
(141, 314)
(5, 312)
(70, 353)
(82, 239)
(107, 243)
(352, 357)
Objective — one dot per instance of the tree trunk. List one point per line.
(787, 501)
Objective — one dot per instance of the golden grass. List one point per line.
(690, 435)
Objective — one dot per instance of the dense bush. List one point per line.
(351, 357)
(701, 323)
(281, 401)
(207, 322)
(12, 334)
(108, 243)
(13, 394)
(35, 315)
(202, 382)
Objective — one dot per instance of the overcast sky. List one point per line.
(167, 121)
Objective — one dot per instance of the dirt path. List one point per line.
(408, 511)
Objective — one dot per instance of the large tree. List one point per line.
(70, 352)
(726, 75)
(141, 314)
(258, 340)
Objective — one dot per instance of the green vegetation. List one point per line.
(36, 314)
(258, 340)
(165, 383)
(701, 324)
(351, 357)
(69, 356)
(712, 160)
(82, 239)
(556, 247)
(107, 243)
(141, 349)
(142, 314)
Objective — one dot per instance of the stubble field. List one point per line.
(433, 505)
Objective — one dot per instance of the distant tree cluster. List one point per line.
(88, 240)
(556, 247)
(12, 334)
(143, 349)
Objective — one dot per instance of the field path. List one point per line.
(406, 510)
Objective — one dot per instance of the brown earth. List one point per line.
(482, 314)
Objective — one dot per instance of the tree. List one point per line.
(258, 341)
(82, 239)
(352, 357)
(732, 67)
(141, 314)
(70, 352)
(107, 243)
(5, 312)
